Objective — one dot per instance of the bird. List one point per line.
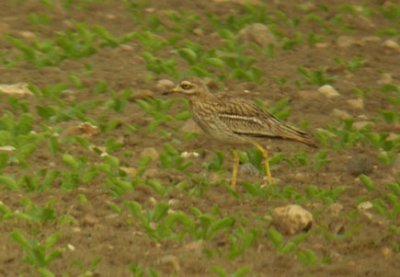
(236, 121)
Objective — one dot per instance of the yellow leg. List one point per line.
(266, 161)
(235, 168)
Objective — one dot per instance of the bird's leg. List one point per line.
(235, 168)
(266, 160)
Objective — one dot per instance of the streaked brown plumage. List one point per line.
(236, 121)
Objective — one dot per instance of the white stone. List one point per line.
(364, 206)
(329, 91)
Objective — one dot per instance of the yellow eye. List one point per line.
(185, 86)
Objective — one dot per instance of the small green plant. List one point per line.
(316, 77)
(353, 64)
(240, 272)
(281, 246)
(39, 255)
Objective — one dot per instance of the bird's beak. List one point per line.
(175, 90)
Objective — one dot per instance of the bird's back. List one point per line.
(237, 120)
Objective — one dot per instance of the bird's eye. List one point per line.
(186, 86)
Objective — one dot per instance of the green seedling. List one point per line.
(353, 64)
(240, 272)
(321, 159)
(391, 12)
(81, 42)
(140, 271)
(367, 182)
(317, 77)
(216, 163)
(159, 66)
(241, 240)
(279, 244)
(389, 206)
(158, 110)
(34, 213)
(290, 43)
(39, 19)
(39, 255)
(307, 257)
(170, 158)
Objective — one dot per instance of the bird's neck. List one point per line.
(206, 96)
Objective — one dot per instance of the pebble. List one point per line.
(170, 260)
(187, 155)
(386, 78)
(371, 39)
(364, 206)
(89, 220)
(257, 33)
(362, 124)
(308, 94)
(150, 152)
(164, 85)
(335, 209)
(85, 129)
(129, 170)
(194, 246)
(346, 41)
(329, 91)
(141, 95)
(190, 127)
(356, 103)
(292, 219)
(322, 45)
(391, 44)
(7, 148)
(198, 32)
(17, 89)
(27, 34)
(341, 114)
(243, 2)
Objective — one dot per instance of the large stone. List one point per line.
(292, 219)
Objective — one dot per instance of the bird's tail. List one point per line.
(291, 133)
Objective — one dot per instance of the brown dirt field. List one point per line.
(106, 242)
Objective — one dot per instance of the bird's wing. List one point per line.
(247, 119)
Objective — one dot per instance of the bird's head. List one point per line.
(190, 87)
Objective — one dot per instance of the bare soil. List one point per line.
(107, 242)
